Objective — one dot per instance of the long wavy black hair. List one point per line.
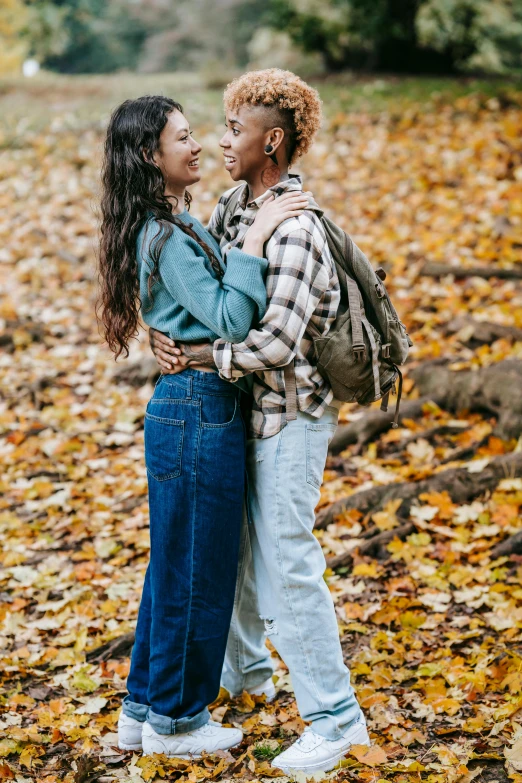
(133, 189)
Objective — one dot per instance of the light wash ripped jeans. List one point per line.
(281, 592)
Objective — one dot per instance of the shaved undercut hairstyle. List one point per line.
(290, 104)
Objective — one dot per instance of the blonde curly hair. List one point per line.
(296, 106)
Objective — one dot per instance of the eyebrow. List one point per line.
(184, 130)
(236, 122)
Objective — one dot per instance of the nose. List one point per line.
(224, 142)
(196, 147)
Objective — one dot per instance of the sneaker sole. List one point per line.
(189, 756)
(125, 746)
(323, 766)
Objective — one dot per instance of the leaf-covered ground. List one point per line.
(432, 628)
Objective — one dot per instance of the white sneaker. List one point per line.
(313, 753)
(191, 744)
(129, 733)
(267, 687)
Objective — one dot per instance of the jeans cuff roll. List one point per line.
(132, 709)
(162, 724)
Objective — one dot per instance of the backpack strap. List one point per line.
(354, 304)
(399, 395)
(290, 391)
(375, 357)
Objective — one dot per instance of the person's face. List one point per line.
(177, 156)
(244, 143)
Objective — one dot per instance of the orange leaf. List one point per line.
(372, 757)
(56, 736)
(6, 773)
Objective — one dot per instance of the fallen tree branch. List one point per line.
(494, 390)
(465, 453)
(373, 546)
(441, 270)
(431, 434)
(481, 332)
(511, 546)
(459, 482)
(373, 424)
(119, 647)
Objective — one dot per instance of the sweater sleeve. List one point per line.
(227, 306)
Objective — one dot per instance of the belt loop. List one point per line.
(189, 387)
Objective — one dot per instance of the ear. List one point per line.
(148, 158)
(275, 137)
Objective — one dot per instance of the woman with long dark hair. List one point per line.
(156, 258)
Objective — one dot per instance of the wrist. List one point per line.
(256, 233)
(253, 244)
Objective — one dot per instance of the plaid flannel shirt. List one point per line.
(302, 286)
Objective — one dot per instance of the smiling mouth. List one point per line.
(194, 163)
(228, 160)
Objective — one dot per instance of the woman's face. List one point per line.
(177, 156)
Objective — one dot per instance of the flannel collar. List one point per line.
(286, 183)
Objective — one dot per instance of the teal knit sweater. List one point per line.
(189, 303)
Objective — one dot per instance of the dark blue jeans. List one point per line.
(195, 457)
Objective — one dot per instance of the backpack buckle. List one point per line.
(385, 350)
(379, 290)
(359, 352)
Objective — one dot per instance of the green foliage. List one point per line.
(94, 36)
(406, 35)
(85, 36)
(476, 33)
(151, 36)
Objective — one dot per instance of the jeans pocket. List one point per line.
(163, 447)
(218, 410)
(318, 436)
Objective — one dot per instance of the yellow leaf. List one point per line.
(245, 703)
(412, 620)
(150, 767)
(29, 754)
(81, 640)
(83, 682)
(446, 756)
(366, 569)
(387, 519)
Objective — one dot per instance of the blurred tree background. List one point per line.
(420, 159)
(151, 36)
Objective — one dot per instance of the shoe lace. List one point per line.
(308, 740)
(207, 728)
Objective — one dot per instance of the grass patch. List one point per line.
(346, 92)
(266, 750)
(81, 102)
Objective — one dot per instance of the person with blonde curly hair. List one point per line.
(272, 117)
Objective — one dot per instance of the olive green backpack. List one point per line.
(366, 342)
